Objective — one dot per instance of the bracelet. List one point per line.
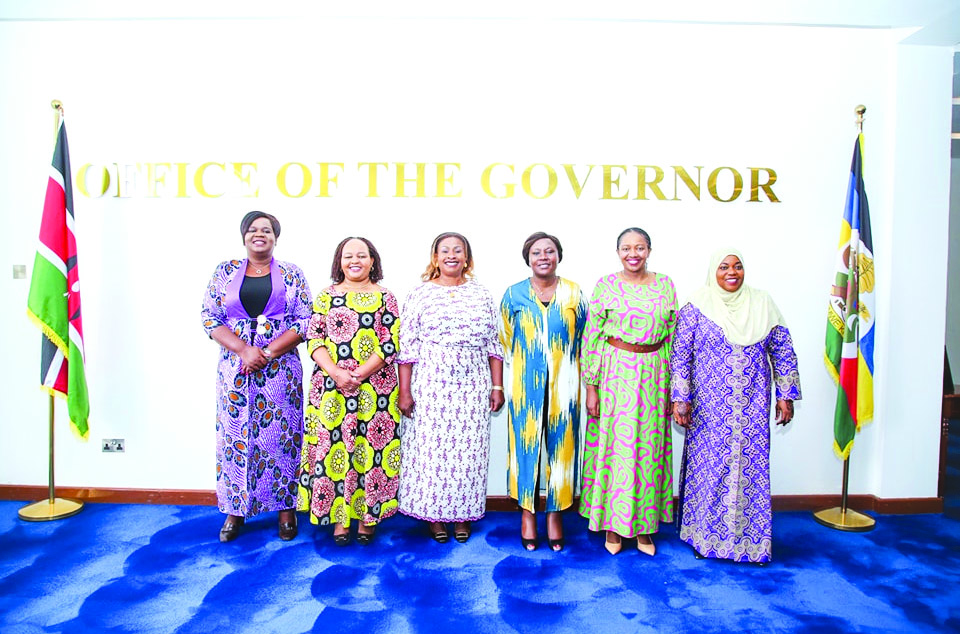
(497, 387)
(267, 353)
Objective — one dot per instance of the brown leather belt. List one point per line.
(634, 347)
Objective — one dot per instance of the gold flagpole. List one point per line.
(53, 508)
(843, 518)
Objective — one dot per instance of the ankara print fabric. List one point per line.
(351, 446)
(449, 335)
(259, 415)
(725, 475)
(627, 484)
(542, 345)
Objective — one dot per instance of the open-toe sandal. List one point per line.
(365, 539)
(461, 533)
(439, 533)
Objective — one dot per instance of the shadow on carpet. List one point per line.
(140, 568)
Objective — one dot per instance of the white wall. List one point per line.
(474, 92)
(916, 223)
(953, 273)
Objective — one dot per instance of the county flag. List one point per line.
(54, 301)
(850, 317)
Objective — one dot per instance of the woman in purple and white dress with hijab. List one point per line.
(258, 309)
(731, 343)
(451, 377)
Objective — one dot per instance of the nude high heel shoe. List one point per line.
(612, 547)
(646, 549)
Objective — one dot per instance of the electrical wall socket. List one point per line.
(113, 445)
(19, 271)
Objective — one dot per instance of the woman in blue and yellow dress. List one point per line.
(542, 320)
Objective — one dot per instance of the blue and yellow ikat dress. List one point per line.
(542, 345)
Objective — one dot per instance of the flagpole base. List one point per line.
(848, 520)
(47, 510)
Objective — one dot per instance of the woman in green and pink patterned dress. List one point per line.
(627, 487)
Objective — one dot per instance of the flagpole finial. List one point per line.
(859, 111)
(56, 104)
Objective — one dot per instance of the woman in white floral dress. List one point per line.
(451, 378)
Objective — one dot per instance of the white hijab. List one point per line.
(745, 315)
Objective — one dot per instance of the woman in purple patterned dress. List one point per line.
(257, 309)
(726, 338)
(351, 444)
(451, 378)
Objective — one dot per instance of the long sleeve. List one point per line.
(506, 324)
(580, 322)
(213, 312)
(671, 307)
(492, 335)
(591, 357)
(786, 374)
(681, 354)
(299, 307)
(410, 328)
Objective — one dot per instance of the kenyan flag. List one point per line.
(54, 302)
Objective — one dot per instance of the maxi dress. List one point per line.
(449, 335)
(351, 450)
(542, 345)
(627, 482)
(725, 475)
(259, 415)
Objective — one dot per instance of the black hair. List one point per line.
(253, 215)
(635, 230)
(336, 270)
(540, 235)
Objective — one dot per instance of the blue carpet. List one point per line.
(139, 568)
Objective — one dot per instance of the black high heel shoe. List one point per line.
(556, 545)
(231, 528)
(342, 539)
(365, 539)
(528, 519)
(287, 527)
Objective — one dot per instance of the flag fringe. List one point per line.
(50, 334)
(831, 369)
(844, 453)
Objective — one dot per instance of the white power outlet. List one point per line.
(113, 445)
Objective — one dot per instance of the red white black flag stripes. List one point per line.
(54, 301)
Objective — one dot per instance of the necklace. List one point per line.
(544, 290)
(259, 270)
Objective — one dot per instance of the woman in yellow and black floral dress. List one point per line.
(351, 449)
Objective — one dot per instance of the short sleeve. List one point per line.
(316, 330)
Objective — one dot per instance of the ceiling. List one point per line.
(936, 22)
